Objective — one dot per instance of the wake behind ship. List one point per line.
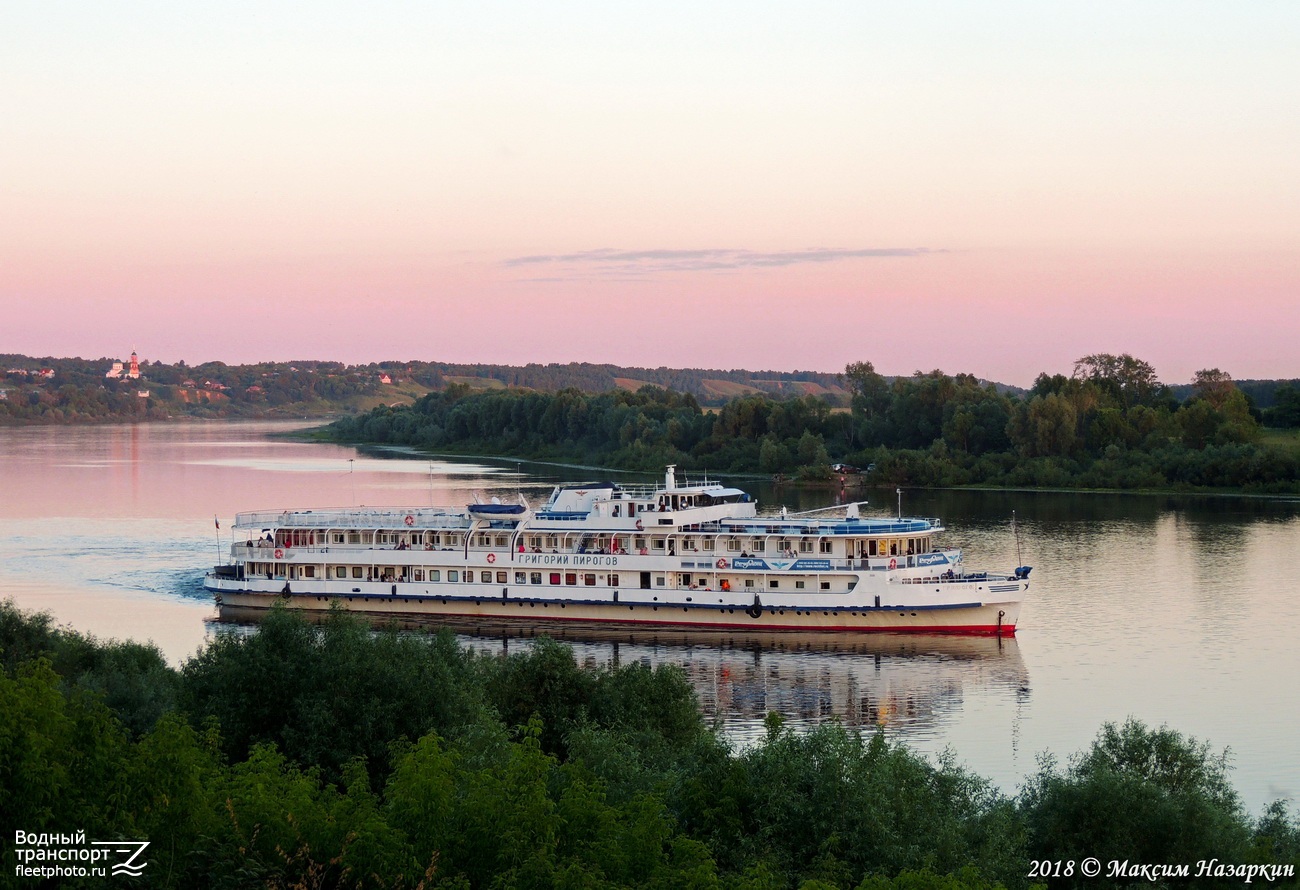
(689, 555)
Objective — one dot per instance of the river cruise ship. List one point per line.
(692, 555)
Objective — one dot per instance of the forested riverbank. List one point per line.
(321, 756)
(1110, 425)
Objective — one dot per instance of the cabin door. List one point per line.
(645, 580)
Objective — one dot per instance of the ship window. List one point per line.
(659, 580)
(871, 547)
(356, 571)
(798, 585)
(485, 577)
(535, 578)
(535, 542)
(309, 571)
(759, 545)
(656, 543)
(501, 578)
(589, 580)
(826, 585)
(733, 544)
(419, 575)
(435, 574)
(638, 543)
(552, 542)
(783, 544)
(707, 545)
(340, 571)
(805, 546)
(555, 577)
(749, 582)
(521, 577)
(570, 578)
(354, 538)
(337, 537)
(501, 540)
(825, 547)
(469, 578)
(774, 584)
(613, 580)
(453, 575)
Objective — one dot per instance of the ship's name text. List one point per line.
(565, 559)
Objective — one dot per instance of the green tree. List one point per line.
(1142, 795)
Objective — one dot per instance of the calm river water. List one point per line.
(1177, 610)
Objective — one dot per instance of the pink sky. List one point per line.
(993, 191)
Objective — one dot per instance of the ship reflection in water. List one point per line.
(908, 684)
(912, 684)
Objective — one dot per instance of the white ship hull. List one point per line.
(996, 615)
(677, 556)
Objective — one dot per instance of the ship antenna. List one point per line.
(1015, 530)
(899, 491)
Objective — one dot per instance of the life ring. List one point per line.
(492, 557)
(639, 526)
(893, 563)
(409, 520)
(279, 554)
(722, 563)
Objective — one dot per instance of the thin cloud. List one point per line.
(608, 261)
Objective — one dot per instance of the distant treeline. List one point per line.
(1111, 424)
(71, 390)
(333, 756)
(52, 390)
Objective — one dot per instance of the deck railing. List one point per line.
(388, 518)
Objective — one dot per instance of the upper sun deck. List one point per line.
(702, 508)
(357, 518)
(841, 526)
